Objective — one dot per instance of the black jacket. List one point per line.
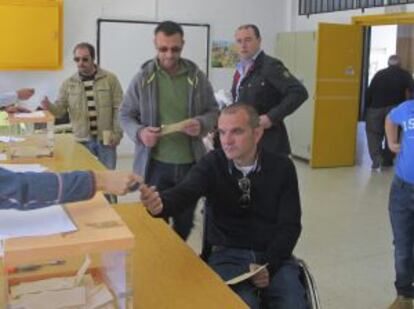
(272, 222)
(389, 87)
(274, 91)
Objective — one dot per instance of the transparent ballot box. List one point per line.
(30, 135)
(90, 268)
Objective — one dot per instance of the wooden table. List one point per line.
(100, 228)
(167, 273)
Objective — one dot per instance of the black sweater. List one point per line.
(271, 224)
(389, 87)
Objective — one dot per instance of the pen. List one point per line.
(32, 267)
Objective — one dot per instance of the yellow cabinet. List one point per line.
(31, 34)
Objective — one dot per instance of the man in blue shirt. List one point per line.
(401, 203)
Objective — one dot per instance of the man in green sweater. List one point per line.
(167, 90)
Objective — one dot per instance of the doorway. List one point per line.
(380, 42)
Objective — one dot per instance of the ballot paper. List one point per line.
(11, 139)
(37, 114)
(64, 298)
(22, 168)
(78, 291)
(174, 127)
(16, 223)
(245, 276)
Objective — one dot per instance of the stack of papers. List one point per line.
(17, 223)
(62, 293)
(79, 292)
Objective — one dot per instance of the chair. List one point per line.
(312, 297)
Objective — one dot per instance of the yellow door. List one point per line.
(337, 95)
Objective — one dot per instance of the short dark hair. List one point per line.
(169, 28)
(254, 119)
(87, 46)
(253, 27)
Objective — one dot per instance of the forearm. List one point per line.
(282, 246)
(208, 119)
(58, 109)
(288, 225)
(391, 132)
(290, 102)
(35, 190)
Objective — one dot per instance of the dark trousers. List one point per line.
(401, 209)
(285, 291)
(167, 175)
(375, 129)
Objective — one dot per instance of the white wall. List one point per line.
(80, 16)
(80, 25)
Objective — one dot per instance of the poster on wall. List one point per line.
(224, 54)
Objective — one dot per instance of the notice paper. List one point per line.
(37, 222)
(37, 114)
(245, 276)
(174, 127)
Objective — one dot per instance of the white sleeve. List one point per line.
(7, 98)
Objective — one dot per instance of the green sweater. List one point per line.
(173, 107)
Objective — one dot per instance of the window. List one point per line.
(308, 7)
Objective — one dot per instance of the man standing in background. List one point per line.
(168, 90)
(389, 87)
(92, 97)
(265, 83)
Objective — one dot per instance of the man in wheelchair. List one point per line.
(253, 207)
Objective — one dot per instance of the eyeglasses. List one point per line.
(244, 186)
(83, 59)
(174, 49)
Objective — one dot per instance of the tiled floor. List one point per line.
(346, 237)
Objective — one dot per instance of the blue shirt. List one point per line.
(403, 115)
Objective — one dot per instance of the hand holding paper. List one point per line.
(192, 127)
(149, 136)
(261, 278)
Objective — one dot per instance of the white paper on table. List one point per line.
(36, 114)
(38, 222)
(22, 168)
(11, 139)
(245, 276)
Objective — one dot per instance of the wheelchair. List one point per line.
(305, 276)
